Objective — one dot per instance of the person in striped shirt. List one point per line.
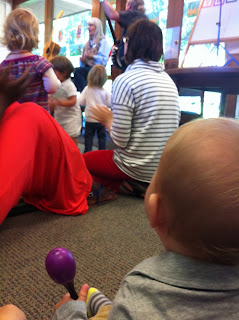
(145, 113)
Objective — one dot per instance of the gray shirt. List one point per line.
(173, 287)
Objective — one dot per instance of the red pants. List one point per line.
(103, 169)
(40, 162)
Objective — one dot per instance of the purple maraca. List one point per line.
(61, 267)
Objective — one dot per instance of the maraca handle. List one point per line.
(71, 289)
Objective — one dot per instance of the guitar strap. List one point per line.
(115, 50)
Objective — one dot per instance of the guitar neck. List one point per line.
(57, 17)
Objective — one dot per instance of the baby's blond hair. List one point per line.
(199, 185)
(97, 76)
(21, 30)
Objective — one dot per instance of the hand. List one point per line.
(81, 297)
(11, 90)
(103, 115)
(89, 55)
(51, 104)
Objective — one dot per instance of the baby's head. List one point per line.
(21, 30)
(193, 199)
(97, 76)
(63, 67)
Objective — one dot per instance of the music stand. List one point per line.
(218, 45)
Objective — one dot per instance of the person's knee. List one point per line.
(11, 312)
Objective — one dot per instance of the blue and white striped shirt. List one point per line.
(145, 114)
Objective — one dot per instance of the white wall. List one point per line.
(5, 9)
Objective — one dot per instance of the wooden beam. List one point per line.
(48, 19)
(96, 8)
(175, 19)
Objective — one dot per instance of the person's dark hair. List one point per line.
(145, 42)
(137, 5)
(63, 65)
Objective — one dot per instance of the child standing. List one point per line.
(21, 31)
(64, 103)
(92, 95)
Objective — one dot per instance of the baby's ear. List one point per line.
(156, 213)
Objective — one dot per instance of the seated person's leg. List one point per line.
(89, 136)
(103, 169)
(30, 163)
(101, 133)
(80, 77)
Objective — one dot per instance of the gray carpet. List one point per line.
(106, 243)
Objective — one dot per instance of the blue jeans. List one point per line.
(90, 129)
(80, 77)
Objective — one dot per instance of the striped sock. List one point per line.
(95, 301)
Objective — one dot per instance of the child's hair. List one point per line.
(198, 180)
(97, 76)
(21, 30)
(63, 65)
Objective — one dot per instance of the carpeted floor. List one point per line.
(107, 242)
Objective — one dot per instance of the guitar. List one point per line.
(114, 53)
(51, 48)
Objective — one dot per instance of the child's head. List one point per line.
(193, 199)
(97, 76)
(62, 67)
(21, 30)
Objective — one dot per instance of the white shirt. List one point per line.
(68, 117)
(90, 97)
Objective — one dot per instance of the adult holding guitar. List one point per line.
(96, 51)
(134, 10)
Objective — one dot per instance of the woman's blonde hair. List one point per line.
(97, 76)
(21, 30)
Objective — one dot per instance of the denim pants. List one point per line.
(80, 77)
(90, 129)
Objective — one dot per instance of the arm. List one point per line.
(11, 90)
(83, 57)
(124, 307)
(50, 81)
(82, 98)
(108, 99)
(103, 53)
(68, 308)
(70, 102)
(123, 111)
(111, 13)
